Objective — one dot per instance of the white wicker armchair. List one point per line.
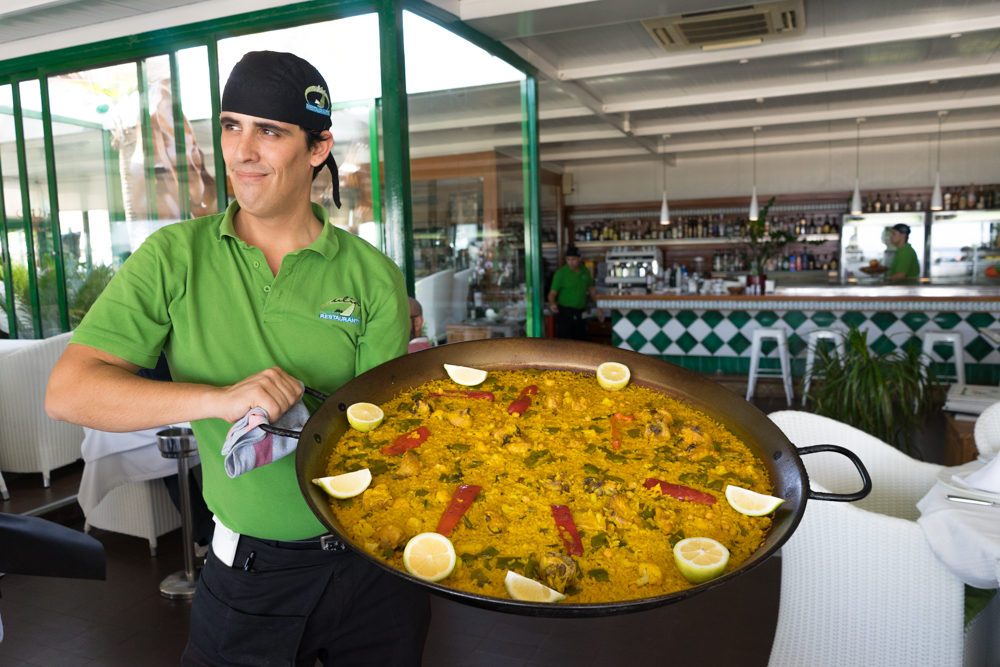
(141, 509)
(29, 440)
(859, 583)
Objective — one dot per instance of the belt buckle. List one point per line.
(331, 543)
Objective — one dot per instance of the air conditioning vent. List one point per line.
(725, 28)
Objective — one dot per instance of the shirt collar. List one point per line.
(326, 244)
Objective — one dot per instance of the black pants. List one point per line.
(570, 324)
(295, 607)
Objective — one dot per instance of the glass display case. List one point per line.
(964, 247)
(865, 246)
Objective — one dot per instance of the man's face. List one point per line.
(897, 238)
(573, 263)
(269, 162)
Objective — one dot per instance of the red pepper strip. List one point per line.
(407, 441)
(520, 405)
(615, 436)
(567, 530)
(680, 492)
(461, 501)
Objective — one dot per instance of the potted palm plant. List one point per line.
(886, 395)
(760, 245)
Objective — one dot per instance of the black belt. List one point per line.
(321, 543)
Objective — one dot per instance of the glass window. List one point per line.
(346, 52)
(40, 213)
(468, 186)
(196, 104)
(16, 253)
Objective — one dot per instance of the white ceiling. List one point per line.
(608, 92)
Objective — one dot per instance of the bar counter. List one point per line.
(712, 333)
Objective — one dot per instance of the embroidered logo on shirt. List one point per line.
(341, 309)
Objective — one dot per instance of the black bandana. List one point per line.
(285, 88)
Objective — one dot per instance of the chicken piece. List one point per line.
(557, 570)
(657, 430)
(494, 523)
(697, 445)
(459, 418)
(665, 520)
(505, 433)
(414, 526)
(388, 537)
(421, 408)
(519, 446)
(591, 522)
(551, 402)
(376, 498)
(577, 403)
(651, 574)
(556, 483)
(409, 466)
(591, 485)
(619, 512)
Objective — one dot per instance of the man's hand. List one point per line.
(600, 315)
(273, 389)
(554, 308)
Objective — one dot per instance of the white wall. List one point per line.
(883, 166)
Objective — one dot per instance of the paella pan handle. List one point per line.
(841, 497)
(287, 432)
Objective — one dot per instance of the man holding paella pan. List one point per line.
(249, 306)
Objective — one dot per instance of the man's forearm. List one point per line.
(103, 396)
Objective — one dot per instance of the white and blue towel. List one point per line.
(248, 447)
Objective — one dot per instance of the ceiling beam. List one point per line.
(481, 9)
(772, 120)
(586, 98)
(785, 47)
(496, 119)
(789, 90)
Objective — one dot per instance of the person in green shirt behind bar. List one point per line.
(904, 264)
(571, 285)
(246, 305)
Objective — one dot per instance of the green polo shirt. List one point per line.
(572, 286)
(195, 290)
(905, 260)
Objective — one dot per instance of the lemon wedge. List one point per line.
(700, 559)
(429, 556)
(529, 590)
(364, 416)
(465, 376)
(613, 376)
(347, 485)
(750, 502)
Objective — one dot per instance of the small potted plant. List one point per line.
(760, 245)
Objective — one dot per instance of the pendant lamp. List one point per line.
(754, 208)
(936, 200)
(856, 199)
(664, 209)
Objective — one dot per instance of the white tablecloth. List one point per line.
(965, 537)
(114, 459)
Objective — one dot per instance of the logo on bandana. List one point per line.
(317, 100)
(341, 309)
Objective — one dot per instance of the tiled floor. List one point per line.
(123, 622)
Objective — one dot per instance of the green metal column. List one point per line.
(222, 192)
(50, 164)
(396, 133)
(29, 232)
(532, 209)
(180, 147)
(6, 271)
(148, 157)
(113, 179)
(376, 175)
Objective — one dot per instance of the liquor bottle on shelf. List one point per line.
(826, 225)
(946, 199)
(963, 200)
(833, 263)
(918, 205)
(970, 198)
(877, 205)
(895, 203)
(812, 226)
(981, 199)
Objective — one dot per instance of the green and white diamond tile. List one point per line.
(721, 332)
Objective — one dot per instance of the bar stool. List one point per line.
(953, 338)
(814, 338)
(179, 443)
(786, 362)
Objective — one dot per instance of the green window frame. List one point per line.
(392, 197)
